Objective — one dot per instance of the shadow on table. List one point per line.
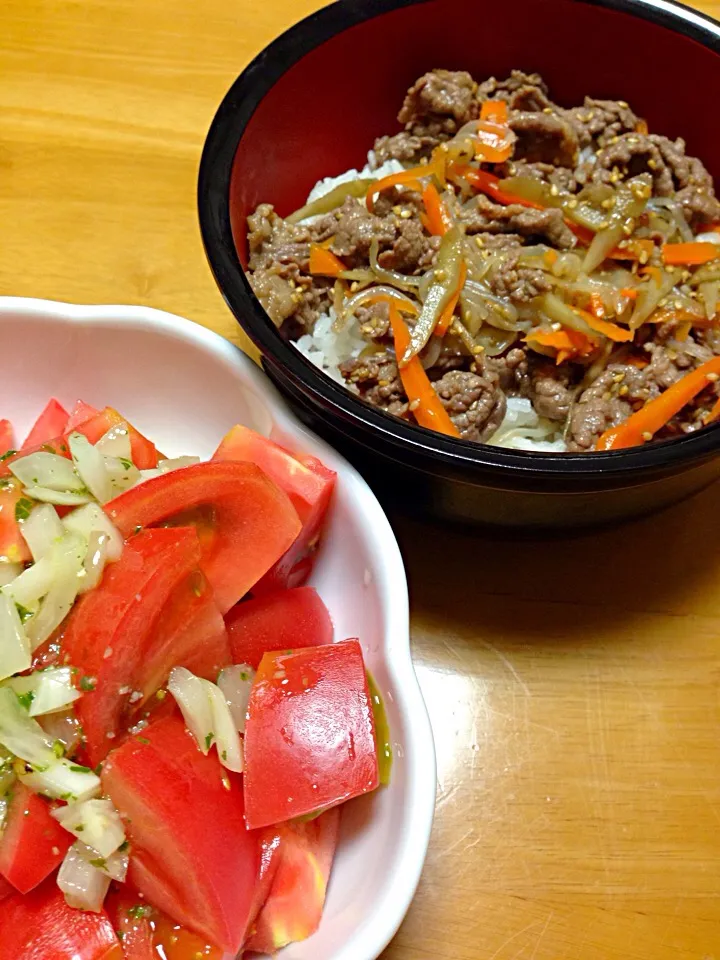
(564, 590)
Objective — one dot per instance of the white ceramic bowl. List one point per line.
(185, 387)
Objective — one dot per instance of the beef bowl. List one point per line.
(508, 316)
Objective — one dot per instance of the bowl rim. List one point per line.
(455, 454)
(381, 923)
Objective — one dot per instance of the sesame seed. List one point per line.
(397, 209)
(556, 327)
(647, 435)
(547, 110)
(479, 240)
(414, 405)
(624, 390)
(623, 104)
(405, 214)
(712, 377)
(572, 203)
(554, 190)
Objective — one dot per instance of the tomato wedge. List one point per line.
(50, 424)
(7, 437)
(41, 926)
(130, 918)
(307, 482)
(32, 844)
(287, 620)
(310, 733)
(6, 889)
(294, 906)
(112, 626)
(245, 523)
(13, 505)
(80, 413)
(192, 855)
(190, 633)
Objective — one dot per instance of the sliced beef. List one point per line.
(413, 251)
(544, 138)
(439, 103)
(374, 321)
(591, 418)
(597, 122)
(674, 174)
(521, 91)
(403, 146)
(512, 371)
(278, 296)
(481, 215)
(273, 241)
(377, 380)
(355, 229)
(551, 392)
(474, 401)
(517, 281)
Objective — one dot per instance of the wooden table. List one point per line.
(573, 686)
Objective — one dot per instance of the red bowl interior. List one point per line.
(323, 114)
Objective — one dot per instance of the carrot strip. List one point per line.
(437, 220)
(550, 257)
(494, 142)
(324, 263)
(635, 250)
(443, 324)
(643, 425)
(487, 183)
(689, 254)
(642, 127)
(629, 292)
(409, 178)
(496, 111)
(425, 404)
(612, 331)
(404, 306)
(568, 343)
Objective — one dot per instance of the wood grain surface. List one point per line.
(572, 685)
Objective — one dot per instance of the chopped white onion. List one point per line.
(91, 518)
(115, 866)
(116, 442)
(67, 559)
(30, 587)
(90, 466)
(47, 691)
(64, 780)
(96, 822)
(8, 572)
(123, 474)
(22, 735)
(47, 470)
(84, 885)
(7, 772)
(177, 463)
(63, 727)
(236, 683)
(60, 497)
(148, 475)
(194, 705)
(207, 716)
(42, 530)
(94, 562)
(15, 654)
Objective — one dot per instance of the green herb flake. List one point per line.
(143, 740)
(78, 768)
(25, 699)
(59, 749)
(208, 740)
(87, 684)
(140, 911)
(23, 509)
(128, 464)
(98, 862)
(244, 676)
(6, 456)
(23, 613)
(124, 846)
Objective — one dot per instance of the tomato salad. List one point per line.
(178, 726)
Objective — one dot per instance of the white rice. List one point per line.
(521, 429)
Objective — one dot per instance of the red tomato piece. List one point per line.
(111, 626)
(287, 620)
(244, 521)
(192, 855)
(41, 926)
(144, 453)
(50, 424)
(130, 917)
(80, 413)
(310, 733)
(7, 437)
(190, 633)
(12, 543)
(32, 844)
(294, 906)
(307, 482)
(6, 889)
